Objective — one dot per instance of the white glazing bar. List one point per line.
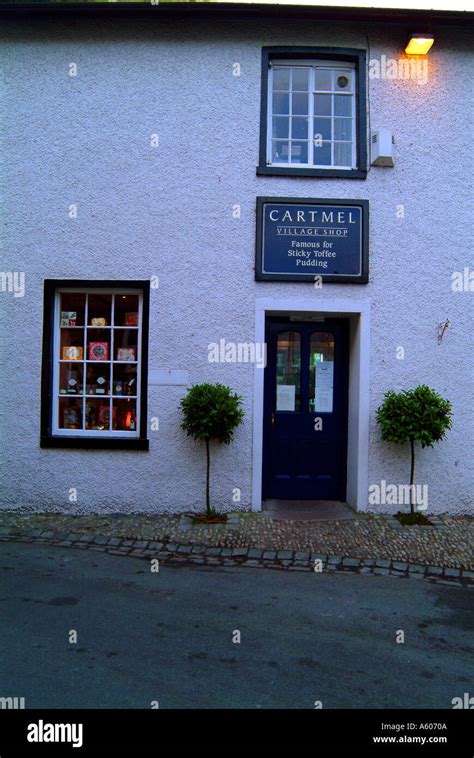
(270, 116)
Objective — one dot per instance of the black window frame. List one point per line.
(47, 439)
(354, 55)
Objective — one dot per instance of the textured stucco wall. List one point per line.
(168, 211)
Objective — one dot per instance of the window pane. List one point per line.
(343, 153)
(99, 308)
(322, 154)
(98, 414)
(281, 103)
(299, 128)
(281, 78)
(299, 104)
(280, 151)
(322, 105)
(281, 127)
(126, 310)
(98, 345)
(343, 128)
(98, 379)
(70, 413)
(300, 79)
(288, 371)
(72, 344)
(126, 345)
(71, 378)
(124, 418)
(322, 79)
(321, 374)
(343, 81)
(343, 105)
(125, 380)
(299, 152)
(72, 310)
(322, 127)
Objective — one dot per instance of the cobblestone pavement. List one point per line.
(365, 544)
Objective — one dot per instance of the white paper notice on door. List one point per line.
(286, 397)
(324, 387)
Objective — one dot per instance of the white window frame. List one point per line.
(58, 431)
(348, 66)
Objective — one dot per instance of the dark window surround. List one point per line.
(318, 53)
(107, 443)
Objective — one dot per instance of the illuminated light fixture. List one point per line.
(419, 44)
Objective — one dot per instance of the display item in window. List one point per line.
(98, 351)
(68, 318)
(72, 418)
(73, 353)
(131, 319)
(127, 354)
(100, 385)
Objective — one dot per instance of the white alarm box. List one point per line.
(381, 145)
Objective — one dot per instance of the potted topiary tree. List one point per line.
(211, 411)
(414, 415)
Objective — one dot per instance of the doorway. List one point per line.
(305, 409)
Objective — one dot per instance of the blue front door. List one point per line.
(305, 409)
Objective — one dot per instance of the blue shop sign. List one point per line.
(299, 239)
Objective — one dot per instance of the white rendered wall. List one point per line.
(168, 211)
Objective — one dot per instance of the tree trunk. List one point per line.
(208, 468)
(412, 476)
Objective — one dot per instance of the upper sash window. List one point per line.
(313, 116)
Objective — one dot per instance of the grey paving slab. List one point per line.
(284, 554)
(302, 556)
(435, 571)
(452, 572)
(416, 568)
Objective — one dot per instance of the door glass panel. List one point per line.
(321, 372)
(288, 371)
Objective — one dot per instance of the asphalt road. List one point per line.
(168, 636)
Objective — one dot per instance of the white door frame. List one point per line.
(358, 313)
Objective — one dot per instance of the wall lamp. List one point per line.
(419, 44)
